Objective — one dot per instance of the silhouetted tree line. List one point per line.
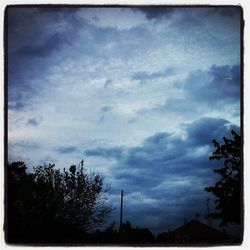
(49, 205)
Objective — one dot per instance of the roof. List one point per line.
(194, 232)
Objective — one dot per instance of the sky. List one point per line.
(138, 93)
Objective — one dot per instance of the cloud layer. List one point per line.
(139, 93)
(161, 170)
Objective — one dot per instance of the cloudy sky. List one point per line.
(138, 93)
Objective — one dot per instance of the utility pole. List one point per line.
(121, 210)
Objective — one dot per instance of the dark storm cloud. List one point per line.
(44, 49)
(67, 149)
(36, 31)
(34, 35)
(33, 24)
(22, 24)
(144, 76)
(169, 171)
(163, 154)
(30, 31)
(226, 81)
(224, 84)
(33, 121)
(157, 12)
(58, 11)
(115, 152)
(218, 86)
(18, 105)
(203, 131)
(19, 94)
(156, 151)
(228, 12)
(219, 83)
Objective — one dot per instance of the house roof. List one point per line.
(195, 231)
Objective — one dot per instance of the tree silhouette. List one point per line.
(19, 201)
(227, 189)
(48, 205)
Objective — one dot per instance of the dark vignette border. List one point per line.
(242, 22)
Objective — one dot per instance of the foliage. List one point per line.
(227, 189)
(54, 204)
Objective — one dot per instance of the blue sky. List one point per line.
(138, 93)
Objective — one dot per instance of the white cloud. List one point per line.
(173, 183)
